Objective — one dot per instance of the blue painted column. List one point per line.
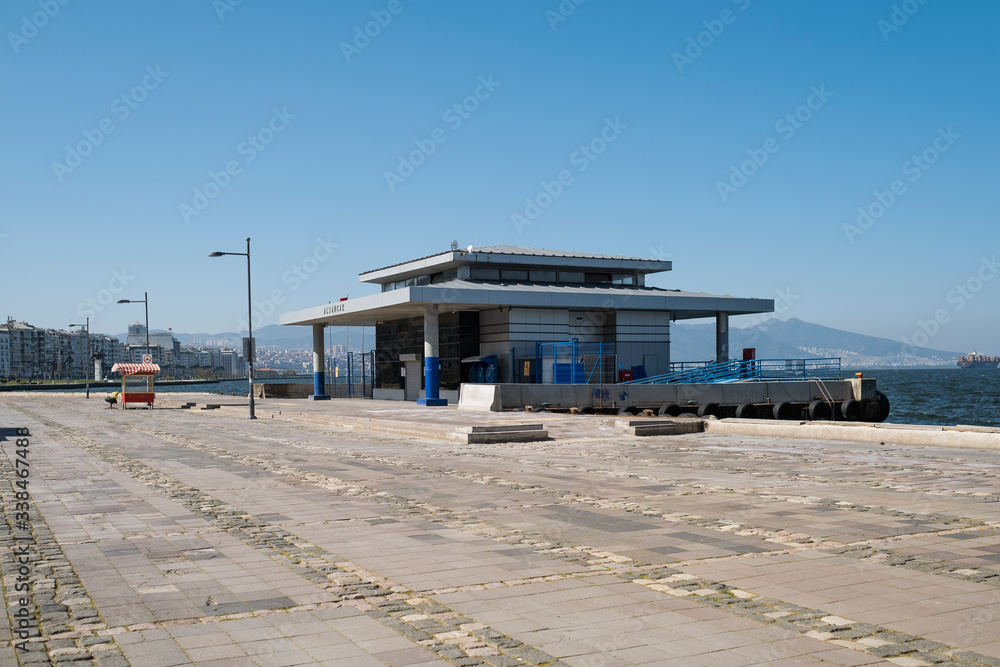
(432, 395)
(319, 366)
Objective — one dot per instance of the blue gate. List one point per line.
(574, 362)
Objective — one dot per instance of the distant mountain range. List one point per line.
(795, 339)
(773, 339)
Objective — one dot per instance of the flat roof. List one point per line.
(463, 295)
(513, 256)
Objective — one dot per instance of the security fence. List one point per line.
(575, 363)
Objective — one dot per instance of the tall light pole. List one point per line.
(86, 364)
(144, 300)
(251, 350)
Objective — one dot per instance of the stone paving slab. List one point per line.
(199, 537)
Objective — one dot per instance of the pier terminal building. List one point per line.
(438, 317)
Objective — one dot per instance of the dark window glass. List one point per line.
(514, 274)
(571, 276)
(483, 273)
(598, 278)
(444, 276)
(458, 338)
(543, 276)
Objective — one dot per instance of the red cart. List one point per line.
(137, 383)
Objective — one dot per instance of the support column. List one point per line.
(666, 361)
(319, 366)
(722, 336)
(431, 361)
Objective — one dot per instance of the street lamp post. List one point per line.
(144, 300)
(251, 351)
(86, 364)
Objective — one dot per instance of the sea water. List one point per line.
(942, 396)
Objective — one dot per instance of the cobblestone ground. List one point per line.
(179, 537)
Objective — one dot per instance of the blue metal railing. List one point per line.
(568, 362)
(676, 366)
(754, 370)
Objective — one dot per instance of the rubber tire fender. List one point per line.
(709, 409)
(883, 407)
(585, 410)
(669, 410)
(746, 411)
(628, 410)
(819, 410)
(851, 410)
(783, 410)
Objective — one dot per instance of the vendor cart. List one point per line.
(137, 383)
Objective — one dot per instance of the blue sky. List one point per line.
(689, 92)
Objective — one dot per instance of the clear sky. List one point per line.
(737, 138)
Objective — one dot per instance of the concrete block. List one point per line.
(646, 427)
(505, 436)
(566, 396)
(502, 428)
(480, 397)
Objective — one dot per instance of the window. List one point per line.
(571, 276)
(514, 275)
(444, 276)
(399, 284)
(483, 273)
(543, 276)
(598, 278)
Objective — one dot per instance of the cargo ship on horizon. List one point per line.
(976, 360)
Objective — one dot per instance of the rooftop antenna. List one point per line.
(454, 245)
(469, 249)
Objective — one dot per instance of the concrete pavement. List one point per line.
(334, 534)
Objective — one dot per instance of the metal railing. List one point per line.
(677, 366)
(754, 370)
(574, 362)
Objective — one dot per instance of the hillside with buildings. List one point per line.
(34, 353)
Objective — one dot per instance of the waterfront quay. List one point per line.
(359, 532)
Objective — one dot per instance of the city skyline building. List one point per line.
(33, 353)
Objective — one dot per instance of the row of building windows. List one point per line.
(547, 277)
(431, 279)
(529, 276)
